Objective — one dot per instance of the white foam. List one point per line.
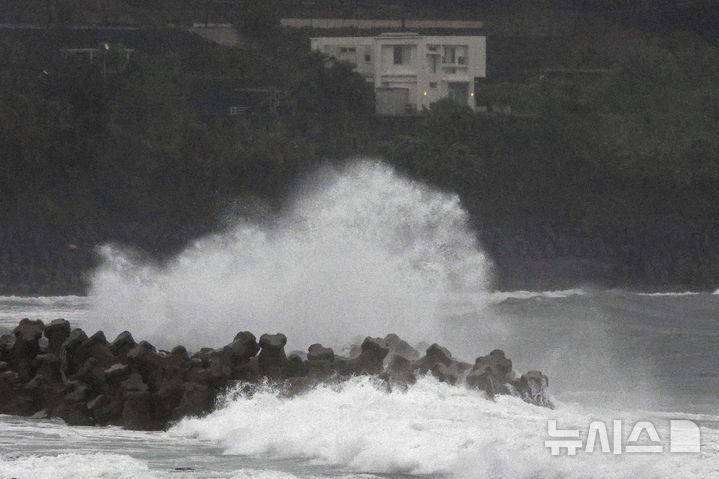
(362, 251)
(432, 428)
(498, 296)
(669, 294)
(75, 466)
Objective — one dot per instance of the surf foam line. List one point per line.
(431, 428)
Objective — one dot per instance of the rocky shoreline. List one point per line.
(55, 371)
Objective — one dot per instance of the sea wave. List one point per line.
(432, 428)
(75, 466)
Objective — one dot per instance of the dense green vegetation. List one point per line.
(128, 146)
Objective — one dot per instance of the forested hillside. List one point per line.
(605, 171)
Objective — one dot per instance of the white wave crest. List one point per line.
(362, 251)
(432, 428)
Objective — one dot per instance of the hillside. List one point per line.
(606, 172)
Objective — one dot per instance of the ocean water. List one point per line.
(362, 251)
(648, 358)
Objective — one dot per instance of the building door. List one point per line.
(458, 92)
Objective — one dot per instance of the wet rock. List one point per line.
(7, 344)
(180, 352)
(144, 359)
(26, 347)
(399, 370)
(319, 352)
(196, 400)
(105, 409)
(134, 384)
(434, 355)
(44, 392)
(243, 347)
(70, 352)
(532, 387)
(249, 371)
(298, 385)
(117, 372)
(137, 412)
(92, 373)
(56, 333)
(204, 355)
(319, 368)
(272, 359)
(491, 373)
(123, 344)
(400, 347)
(219, 371)
(48, 365)
(295, 366)
(371, 359)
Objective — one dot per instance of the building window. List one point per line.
(433, 84)
(402, 55)
(433, 63)
(450, 55)
(368, 58)
(347, 50)
(397, 55)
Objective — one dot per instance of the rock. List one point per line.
(123, 344)
(73, 413)
(75, 339)
(491, 373)
(117, 372)
(219, 371)
(532, 387)
(272, 359)
(144, 359)
(298, 385)
(28, 331)
(295, 367)
(167, 399)
(204, 355)
(48, 365)
(76, 391)
(434, 355)
(243, 347)
(447, 374)
(104, 409)
(319, 368)
(319, 352)
(399, 370)
(134, 384)
(249, 371)
(56, 333)
(45, 392)
(196, 400)
(26, 347)
(92, 373)
(70, 352)
(400, 347)
(371, 359)
(137, 412)
(180, 352)
(7, 344)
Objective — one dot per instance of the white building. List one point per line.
(411, 71)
